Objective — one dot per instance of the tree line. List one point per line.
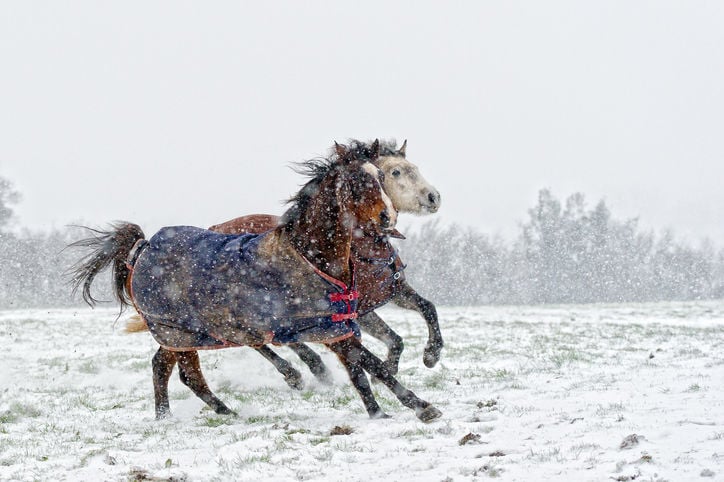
(564, 253)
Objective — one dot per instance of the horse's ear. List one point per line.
(340, 150)
(375, 149)
(401, 150)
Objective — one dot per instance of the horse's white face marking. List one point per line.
(389, 205)
(409, 191)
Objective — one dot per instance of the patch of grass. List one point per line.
(516, 386)
(88, 367)
(84, 401)
(546, 455)
(389, 404)
(325, 456)
(343, 400)
(691, 353)
(319, 440)
(253, 459)
(233, 466)
(262, 419)
(156, 429)
(139, 365)
(8, 417)
(17, 411)
(578, 449)
(520, 410)
(86, 457)
(218, 421)
(415, 433)
(436, 380)
(54, 362)
(242, 436)
(610, 408)
(282, 442)
(567, 356)
(500, 374)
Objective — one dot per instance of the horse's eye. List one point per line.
(396, 173)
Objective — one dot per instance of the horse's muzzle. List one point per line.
(388, 219)
(430, 201)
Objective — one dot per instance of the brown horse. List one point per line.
(198, 289)
(380, 275)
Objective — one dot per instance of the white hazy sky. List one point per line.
(190, 112)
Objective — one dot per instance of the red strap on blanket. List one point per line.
(348, 296)
(344, 317)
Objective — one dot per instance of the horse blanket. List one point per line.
(379, 269)
(198, 289)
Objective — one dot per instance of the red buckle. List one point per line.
(350, 296)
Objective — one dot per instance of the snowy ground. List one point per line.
(604, 392)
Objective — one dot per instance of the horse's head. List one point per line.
(359, 187)
(344, 192)
(409, 191)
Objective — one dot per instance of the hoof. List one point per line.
(428, 414)
(295, 381)
(431, 355)
(224, 410)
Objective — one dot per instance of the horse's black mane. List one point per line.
(319, 167)
(388, 148)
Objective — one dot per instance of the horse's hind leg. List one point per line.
(189, 367)
(356, 357)
(407, 297)
(313, 361)
(376, 327)
(291, 374)
(162, 363)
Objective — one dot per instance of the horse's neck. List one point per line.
(371, 246)
(328, 249)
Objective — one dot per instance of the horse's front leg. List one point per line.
(349, 356)
(376, 327)
(291, 374)
(352, 353)
(162, 364)
(407, 297)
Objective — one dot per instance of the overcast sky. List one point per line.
(190, 113)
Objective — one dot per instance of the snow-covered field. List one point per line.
(601, 392)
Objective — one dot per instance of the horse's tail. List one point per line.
(108, 247)
(136, 324)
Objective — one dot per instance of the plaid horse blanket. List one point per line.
(198, 289)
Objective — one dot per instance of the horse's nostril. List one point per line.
(433, 198)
